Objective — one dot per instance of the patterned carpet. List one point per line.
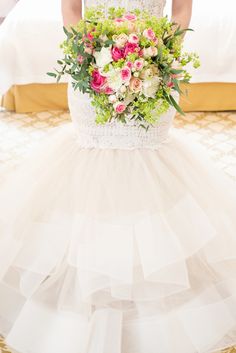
(19, 133)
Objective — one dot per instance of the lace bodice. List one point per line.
(156, 7)
(114, 134)
(117, 134)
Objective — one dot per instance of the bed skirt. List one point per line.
(41, 97)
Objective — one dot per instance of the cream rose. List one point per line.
(135, 85)
(150, 51)
(123, 89)
(151, 71)
(150, 86)
(120, 40)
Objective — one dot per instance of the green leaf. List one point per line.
(176, 71)
(176, 86)
(52, 74)
(175, 105)
(185, 80)
(65, 30)
(75, 47)
(108, 42)
(160, 53)
(74, 31)
(68, 34)
(179, 32)
(59, 77)
(68, 61)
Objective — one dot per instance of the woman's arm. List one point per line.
(71, 12)
(182, 12)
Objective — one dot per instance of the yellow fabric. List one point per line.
(36, 97)
(40, 97)
(212, 96)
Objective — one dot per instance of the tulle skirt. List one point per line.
(117, 251)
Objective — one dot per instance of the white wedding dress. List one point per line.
(117, 240)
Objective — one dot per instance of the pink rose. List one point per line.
(129, 64)
(133, 38)
(131, 48)
(130, 17)
(141, 53)
(119, 21)
(117, 53)
(108, 90)
(155, 40)
(135, 84)
(80, 59)
(87, 37)
(126, 74)
(90, 36)
(170, 84)
(138, 64)
(97, 81)
(149, 34)
(119, 107)
(88, 48)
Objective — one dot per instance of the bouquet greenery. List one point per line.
(129, 63)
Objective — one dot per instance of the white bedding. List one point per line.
(29, 42)
(30, 37)
(214, 38)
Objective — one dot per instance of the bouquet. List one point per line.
(128, 63)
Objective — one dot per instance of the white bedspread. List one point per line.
(29, 43)
(31, 34)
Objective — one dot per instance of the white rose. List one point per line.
(114, 79)
(150, 86)
(103, 57)
(112, 98)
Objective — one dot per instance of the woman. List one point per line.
(118, 241)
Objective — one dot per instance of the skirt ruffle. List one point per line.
(118, 251)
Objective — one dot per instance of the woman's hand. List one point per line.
(182, 12)
(71, 12)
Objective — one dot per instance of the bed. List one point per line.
(29, 46)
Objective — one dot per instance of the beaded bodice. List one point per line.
(117, 134)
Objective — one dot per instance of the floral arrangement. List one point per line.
(129, 63)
